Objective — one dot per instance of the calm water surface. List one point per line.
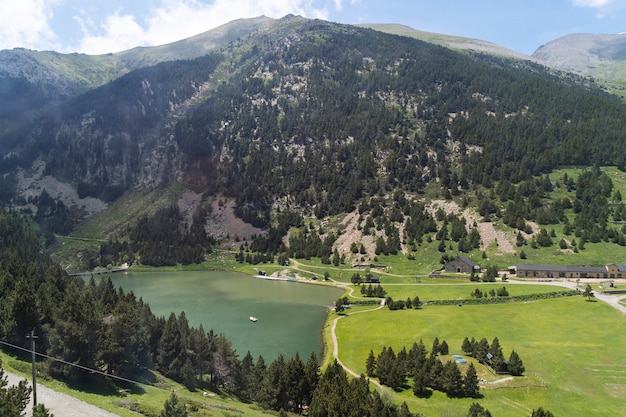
(290, 315)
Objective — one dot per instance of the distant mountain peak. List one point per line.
(453, 42)
(599, 55)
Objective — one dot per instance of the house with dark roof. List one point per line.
(461, 265)
(608, 271)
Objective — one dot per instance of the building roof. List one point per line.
(621, 268)
(560, 268)
(465, 260)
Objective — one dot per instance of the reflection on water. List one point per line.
(289, 315)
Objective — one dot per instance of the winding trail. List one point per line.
(336, 343)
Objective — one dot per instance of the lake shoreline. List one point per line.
(291, 318)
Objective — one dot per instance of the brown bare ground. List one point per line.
(352, 234)
(488, 234)
(223, 224)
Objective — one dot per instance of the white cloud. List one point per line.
(602, 6)
(592, 3)
(25, 23)
(178, 19)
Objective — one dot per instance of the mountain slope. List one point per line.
(33, 80)
(600, 56)
(454, 42)
(315, 118)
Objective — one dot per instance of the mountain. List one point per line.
(453, 42)
(33, 80)
(293, 118)
(600, 56)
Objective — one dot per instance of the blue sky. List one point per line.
(102, 26)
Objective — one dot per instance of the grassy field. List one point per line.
(575, 346)
(428, 292)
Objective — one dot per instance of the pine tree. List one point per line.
(40, 410)
(540, 412)
(404, 411)
(295, 384)
(173, 407)
(469, 346)
(516, 366)
(435, 375)
(497, 360)
(416, 357)
(329, 398)
(370, 364)
(384, 365)
(443, 348)
(452, 380)
(477, 410)
(170, 359)
(481, 350)
(14, 399)
(420, 382)
(311, 376)
(434, 350)
(470, 382)
(416, 302)
(245, 390)
(272, 393)
(258, 373)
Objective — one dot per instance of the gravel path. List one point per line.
(59, 404)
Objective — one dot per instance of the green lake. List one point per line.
(290, 315)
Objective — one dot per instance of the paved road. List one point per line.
(612, 300)
(59, 404)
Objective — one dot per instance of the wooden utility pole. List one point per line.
(34, 368)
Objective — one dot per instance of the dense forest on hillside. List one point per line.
(324, 123)
(318, 119)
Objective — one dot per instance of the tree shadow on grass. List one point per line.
(425, 394)
(110, 386)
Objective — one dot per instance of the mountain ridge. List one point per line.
(73, 73)
(454, 42)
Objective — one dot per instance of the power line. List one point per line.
(93, 371)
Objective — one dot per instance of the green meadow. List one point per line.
(572, 349)
(460, 291)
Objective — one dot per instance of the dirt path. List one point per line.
(333, 336)
(59, 404)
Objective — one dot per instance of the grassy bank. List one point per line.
(140, 399)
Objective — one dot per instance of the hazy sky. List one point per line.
(102, 26)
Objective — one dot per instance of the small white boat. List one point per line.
(252, 318)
